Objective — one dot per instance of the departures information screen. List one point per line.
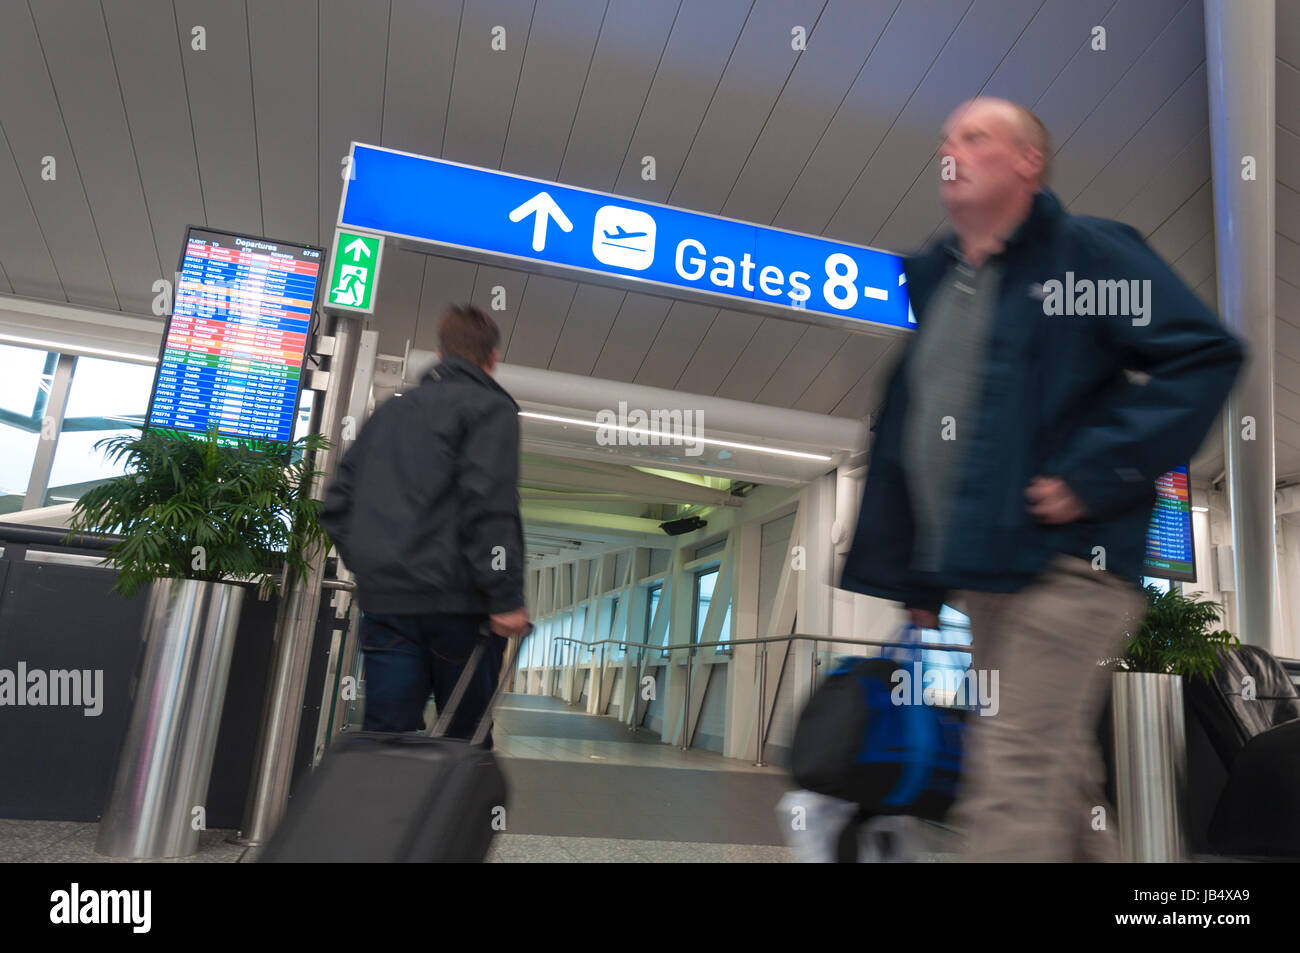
(236, 341)
(1169, 536)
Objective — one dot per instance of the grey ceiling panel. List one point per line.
(353, 54)
(1181, 230)
(722, 346)
(590, 318)
(761, 357)
(756, 74)
(1287, 163)
(23, 251)
(865, 396)
(511, 283)
(286, 84)
(701, 42)
(1288, 258)
(560, 48)
(1080, 88)
(638, 321)
(34, 126)
(5, 286)
(1197, 263)
(446, 281)
(1287, 301)
(1174, 185)
(1287, 106)
(1287, 373)
(397, 300)
(1158, 74)
(1288, 31)
(801, 366)
(916, 34)
(421, 52)
(853, 361)
(485, 81)
(632, 40)
(971, 54)
(1286, 338)
(218, 81)
(1288, 212)
(678, 337)
(1055, 34)
(148, 62)
(541, 316)
(1147, 152)
(1287, 403)
(845, 35)
(75, 42)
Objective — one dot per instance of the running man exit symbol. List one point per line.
(354, 271)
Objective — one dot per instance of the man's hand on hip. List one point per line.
(1050, 500)
(512, 624)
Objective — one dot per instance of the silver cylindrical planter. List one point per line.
(1150, 766)
(166, 760)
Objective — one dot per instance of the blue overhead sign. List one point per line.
(503, 215)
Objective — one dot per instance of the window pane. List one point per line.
(107, 398)
(25, 376)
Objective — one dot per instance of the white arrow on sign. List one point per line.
(545, 209)
(355, 248)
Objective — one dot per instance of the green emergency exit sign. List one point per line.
(355, 271)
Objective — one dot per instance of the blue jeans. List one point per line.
(410, 657)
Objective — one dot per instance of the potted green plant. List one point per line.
(201, 520)
(1177, 638)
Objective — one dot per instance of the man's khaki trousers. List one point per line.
(1033, 778)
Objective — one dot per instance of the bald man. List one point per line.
(1013, 467)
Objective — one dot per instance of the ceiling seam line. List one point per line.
(992, 73)
(709, 105)
(252, 98)
(135, 155)
(618, 173)
(189, 109)
(585, 79)
(912, 95)
(35, 218)
(451, 84)
(794, 65)
(72, 154)
(835, 114)
(523, 61)
(1165, 102)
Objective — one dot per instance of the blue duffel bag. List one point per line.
(854, 743)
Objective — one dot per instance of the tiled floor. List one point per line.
(583, 789)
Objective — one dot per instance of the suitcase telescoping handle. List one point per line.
(443, 723)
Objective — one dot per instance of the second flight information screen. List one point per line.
(235, 345)
(1169, 536)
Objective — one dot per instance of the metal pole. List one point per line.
(1239, 38)
(296, 624)
(686, 706)
(762, 706)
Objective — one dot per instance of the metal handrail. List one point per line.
(760, 741)
(53, 536)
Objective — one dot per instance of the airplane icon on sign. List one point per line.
(620, 232)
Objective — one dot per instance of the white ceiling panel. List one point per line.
(446, 281)
(590, 318)
(417, 74)
(680, 334)
(718, 351)
(541, 316)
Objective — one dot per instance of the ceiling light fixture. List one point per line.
(820, 457)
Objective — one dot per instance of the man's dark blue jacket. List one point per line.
(1055, 401)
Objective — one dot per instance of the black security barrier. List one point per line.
(58, 614)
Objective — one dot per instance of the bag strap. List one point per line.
(445, 717)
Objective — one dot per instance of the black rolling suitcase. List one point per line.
(399, 798)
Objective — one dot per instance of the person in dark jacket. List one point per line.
(424, 510)
(1057, 370)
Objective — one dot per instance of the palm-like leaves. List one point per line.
(195, 509)
(1174, 636)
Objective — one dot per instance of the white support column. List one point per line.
(1239, 44)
